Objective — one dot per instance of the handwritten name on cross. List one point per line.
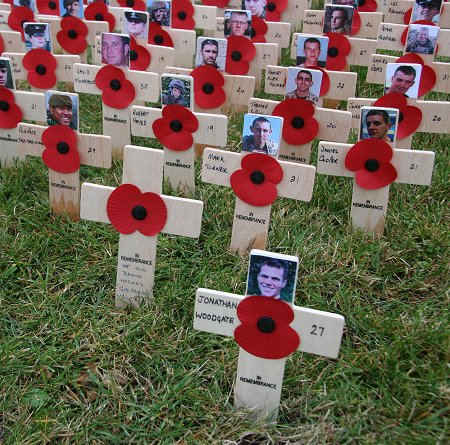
(395, 11)
(179, 165)
(259, 380)
(143, 169)
(251, 223)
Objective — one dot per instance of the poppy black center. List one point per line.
(158, 39)
(62, 147)
(333, 52)
(361, 2)
(139, 212)
(182, 15)
(130, 3)
(208, 88)
(266, 325)
(115, 84)
(253, 33)
(23, 21)
(271, 6)
(176, 125)
(40, 69)
(372, 165)
(99, 17)
(236, 56)
(4, 106)
(72, 34)
(257, 177)
(400, 116)
(133, 54)
(298, 122)
(52, 5)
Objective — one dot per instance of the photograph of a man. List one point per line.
(265, 134)
(428, 10)
(159, 12)
(115, 49)
(421, 39)
(135, 24)
(403, 79)
(237, 23)
(211, 52)
(312, 51)
(26, 3)
(60, 109)
(377, 123)
(338, 19)
(37, 35)
(6, 78)
(256, 7)
(301, 84)
(176, 90)
(352, 3)
(71, 8)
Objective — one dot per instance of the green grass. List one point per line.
(74, 369)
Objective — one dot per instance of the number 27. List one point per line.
(315, 328)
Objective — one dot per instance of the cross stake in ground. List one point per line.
(139, 212)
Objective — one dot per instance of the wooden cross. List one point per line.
(143, 167)
(179, 165)
(368, 210)
(251, 223)
(259, 380)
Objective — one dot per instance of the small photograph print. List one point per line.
(37, 35)
(403, 79)
(6, 74)
(71, 8)
(428, 10)
(211, 52)
(261, 134)
(304, 84)
(256, 7)
(272, 275)
(30, 4)
(159, 12)
(378, 123)
(422, 39)
(177, 90)
(135, 24)
(338, 19)
(353, 3)
(312, 51)
(62, 109)
(115, 49)
(237, 23)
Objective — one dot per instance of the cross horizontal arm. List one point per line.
(297, 182)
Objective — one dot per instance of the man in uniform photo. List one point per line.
(175, 94)
(259, 141)
(209, 50)
(421, 44)
(60, 111)
(402, 80)
(136, 24)
(304, 82)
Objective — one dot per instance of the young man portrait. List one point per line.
(175, 93)
(115, 49)
(402, 80)
(338, 19)
(378, 124)
(260, 140)
(304, 82)
(136, 24)
(256, 7)
(36, 36)
(60, 111)
(308, 51)
(426, 10)
(72, 8)
(6, 79)
(421, 43)
(159, 12)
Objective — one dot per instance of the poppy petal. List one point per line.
(356, 23)
(10, 112)
(140, 57)
(254, 194)
(274, 9)
(268, 165)
(98, 11)
(182, 14)
(72, 35)
(259, 29)
(385, 175)
(208, 83)
(48, 7)
(240, 51)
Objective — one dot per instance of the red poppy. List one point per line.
(299, 126)
(41, 65)
(157, 36)
(117, 91)
(10, 112)
(356, 23)
(72, 36)
(98, 12)
(409, 117)
(129, 210)
(137, 5)
(218, 3)
(139, 56)
(208, 83)
(48, 7)
(2, 45)
(264, 330)
(259, 29)
(182, 14)
(174, 130)
(407, 16)
(367, 6)
(338, 49)
(256, 182)
(240, 52)
(19, 15)
(428, 76)
(370, 158)
(60, 152)
(274, 9)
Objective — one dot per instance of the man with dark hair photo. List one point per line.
(311, 49)
(72, 8)
(160, 13)
(304, 82)
(256, 7)
(338, 19)
(259, 141)
(426, 10)
(402, 80)
(36, 36)
(209, 49)
(378, 124)
(115, 49)
(6, 79)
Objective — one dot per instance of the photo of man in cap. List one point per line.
(6, 79)
(72, 8)
(136, 24)
(177, 91)
(159, 12)
(428, 10)
(60, 110)
(37, 35)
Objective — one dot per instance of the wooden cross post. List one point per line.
(368, 210)
(143, 171)
(259, 380)
(251, 223)
(179, 165)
